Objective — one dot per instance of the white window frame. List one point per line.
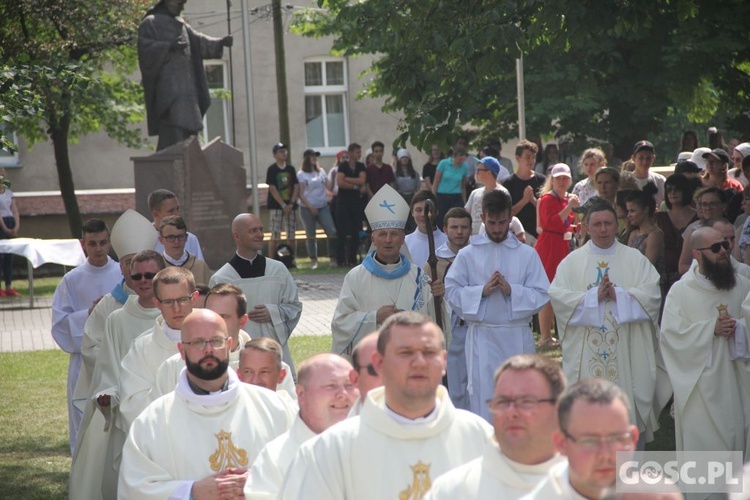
(14, 160)
(224, 103)
(324, 90)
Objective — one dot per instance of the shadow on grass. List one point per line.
(34, 475)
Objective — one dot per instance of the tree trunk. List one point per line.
(282, 99)
(59, 136)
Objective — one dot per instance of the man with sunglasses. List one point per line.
(606, 297)
(200, 440)
(521, 452)
(726, 229)
(704, 343)
(173, 234)
(593, 415)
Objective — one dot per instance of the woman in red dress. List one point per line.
(555, 216)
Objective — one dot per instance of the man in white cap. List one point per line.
(385, 283)
(496, 285)
(94, 471)
(273, 306)
(75, 297)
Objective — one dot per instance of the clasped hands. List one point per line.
(496, 282)
(606, 290)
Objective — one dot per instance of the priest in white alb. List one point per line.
(75, 297)
(385, 283)
(704, 342)
(274, 308)
(606, 297)
(407, 434)
(496, 284)
(199, 441)
(325, 394)
(94, 473)
(521, 452)
(416, 242)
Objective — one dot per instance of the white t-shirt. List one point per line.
(313, 187)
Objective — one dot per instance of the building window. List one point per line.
(9, 158)
(216, 121)
(325, 105)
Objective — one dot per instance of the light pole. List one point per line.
(250, 110)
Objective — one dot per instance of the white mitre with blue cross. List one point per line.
(131, 234)
(387, 210)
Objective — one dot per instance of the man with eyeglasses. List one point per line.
(704, 342)
(230, 303)
(593, 415)
(173, 235)
(273, 308)
(606, 297)
(521, 451)
(130, 235)
(164, 203)
(200, 440)
(364, 374)
(326, 394)
(408, 432)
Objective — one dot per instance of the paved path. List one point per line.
(24, 329)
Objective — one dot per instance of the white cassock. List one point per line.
(94, 471)
(498, 326)
(419, 247)
(383, 455)
(370, 286)
(268, 471)
(272, 287)
(74, 295)
(555, 485)
(707, 382)
(183, 437)
(617, 341)
(192, 246)
(93, 332)
(454, 328)
(139, 367)
(739, 267)
(169, 372)
(491, 476)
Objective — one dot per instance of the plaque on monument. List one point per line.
(210, 184)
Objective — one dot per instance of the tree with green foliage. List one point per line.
(612, 70)
(63, 74)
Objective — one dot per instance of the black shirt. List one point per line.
(284, 181)
(516, 187)
(247, 269)
(346, 169)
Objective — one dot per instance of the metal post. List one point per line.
(250, 110)
(521, 99)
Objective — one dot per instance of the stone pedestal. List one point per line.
(210, 184)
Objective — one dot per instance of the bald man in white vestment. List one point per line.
(326, 395)
(521, 452)
(198, 441)
(408, 433)
(704, 342)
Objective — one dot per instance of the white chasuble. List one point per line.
(268, 471)
(491, 476)
(182, 437)
(374, 456)
(364, 292)
(278, 292)
(708, 383)
(616, 340)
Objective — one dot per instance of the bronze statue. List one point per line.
(170, 55)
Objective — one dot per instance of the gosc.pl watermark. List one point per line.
(686, 471)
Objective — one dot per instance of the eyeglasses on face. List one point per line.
(200, 344)
(716, 247)
(176, 237)
(140, 276)
(370, 370)
(710, 204)
(522, 404)
(180, 301)
(622, 441)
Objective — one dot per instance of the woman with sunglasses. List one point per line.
(710, 203)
